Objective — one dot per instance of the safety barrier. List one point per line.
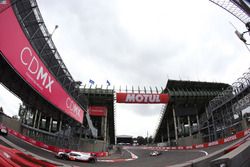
(238, 157)
(236, 136)
(206, 160)
(55, 149)
(48, 147)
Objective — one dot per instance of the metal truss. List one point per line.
(31, 21)
(161, 118)
(234, 9)
(223, 109)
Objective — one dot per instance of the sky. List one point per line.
(142, 43)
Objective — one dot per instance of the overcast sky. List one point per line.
(142, 43)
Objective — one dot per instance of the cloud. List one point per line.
(9, 102)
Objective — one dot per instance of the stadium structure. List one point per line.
(180, 118)
(56, 110)
(217, 111)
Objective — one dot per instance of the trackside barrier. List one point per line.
(14, 158)
(48, 147)
(239, 157)
(236, 136)
(205, 161)
(5, 160)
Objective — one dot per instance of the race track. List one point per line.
(167, 158)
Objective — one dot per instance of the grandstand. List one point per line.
(180, 118)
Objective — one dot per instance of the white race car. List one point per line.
(155, 153)
(77, 156)
(3, 130)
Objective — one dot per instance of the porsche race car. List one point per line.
(155, 153)
(77, 156)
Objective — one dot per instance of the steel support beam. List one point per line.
(189, 124)
(175, 126)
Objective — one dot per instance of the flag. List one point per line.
(91, 82)
(108, 83)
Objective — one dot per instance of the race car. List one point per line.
(77, 156)
(155, 153)
(3, 130)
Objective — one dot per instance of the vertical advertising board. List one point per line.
(98, 111)
(18, 52)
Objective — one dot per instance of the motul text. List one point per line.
(141, 98)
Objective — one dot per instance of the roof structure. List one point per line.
(32, 23)
(237, 8)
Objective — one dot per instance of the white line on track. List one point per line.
(133, 157)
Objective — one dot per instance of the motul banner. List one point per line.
(18, 52)
(141, 98)
(98, 111)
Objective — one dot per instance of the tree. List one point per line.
(15, 117)
(140, 140)
(1, 109)
(150, 139)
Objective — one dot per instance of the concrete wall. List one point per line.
(91, 145)
(187, 141)
(245, 124)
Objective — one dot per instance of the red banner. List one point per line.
(17, 50)
(98, 111)
(141, 98)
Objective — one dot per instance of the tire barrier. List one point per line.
(48, 147)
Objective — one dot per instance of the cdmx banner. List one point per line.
(18, 52)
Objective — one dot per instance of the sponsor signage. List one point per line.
(98, 111)
(199, 146)
(141, 98)
(231, 138)
(214, 143)
(238, 135)
(18, 52)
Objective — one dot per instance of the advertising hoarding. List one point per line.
(18, 52)
(98, 111)
(142, 98)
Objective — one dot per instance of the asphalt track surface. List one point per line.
(167, 158)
